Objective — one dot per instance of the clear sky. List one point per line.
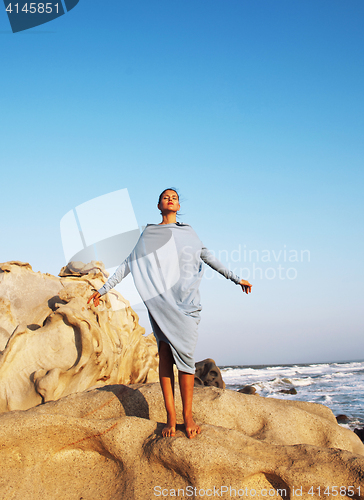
(252, 108)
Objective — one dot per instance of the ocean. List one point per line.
(340, 386)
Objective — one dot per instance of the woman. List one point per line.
(167, 268)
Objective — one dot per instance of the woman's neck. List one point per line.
(168, 218)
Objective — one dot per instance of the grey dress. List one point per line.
(167, 267)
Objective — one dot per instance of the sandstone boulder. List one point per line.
(54, 344)
(106, 444)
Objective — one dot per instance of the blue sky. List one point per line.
(253, 109)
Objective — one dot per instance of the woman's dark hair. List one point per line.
(168, 189)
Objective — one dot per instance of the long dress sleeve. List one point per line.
(215, 264)
(122, 271)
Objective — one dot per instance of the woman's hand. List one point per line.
(246, 286)
(96, 297)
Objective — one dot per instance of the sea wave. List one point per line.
(340, 386)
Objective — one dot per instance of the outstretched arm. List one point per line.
(122, 271)
(213, 262)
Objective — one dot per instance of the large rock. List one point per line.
(24, 297)
(106, 444)
(208, 374)
(55, 345)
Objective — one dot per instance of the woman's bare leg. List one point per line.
(186, 383)
(166, 378)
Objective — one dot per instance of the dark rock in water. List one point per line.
(208, 374)
(248, 389)
(360, 433)
(342, 419)
(288, 391)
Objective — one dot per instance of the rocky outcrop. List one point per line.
(54, 344)
(106, 444)
(208, 374)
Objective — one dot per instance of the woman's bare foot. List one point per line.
(192, 429)
(170, 429)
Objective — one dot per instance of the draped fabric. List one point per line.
(167, 267)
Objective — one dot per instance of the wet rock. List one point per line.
(360, 433)
(292, 390)
(342, 419)
(248, 389)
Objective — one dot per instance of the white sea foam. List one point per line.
(302, 382)
(340, 386)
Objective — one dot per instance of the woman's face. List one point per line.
(169, 202)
